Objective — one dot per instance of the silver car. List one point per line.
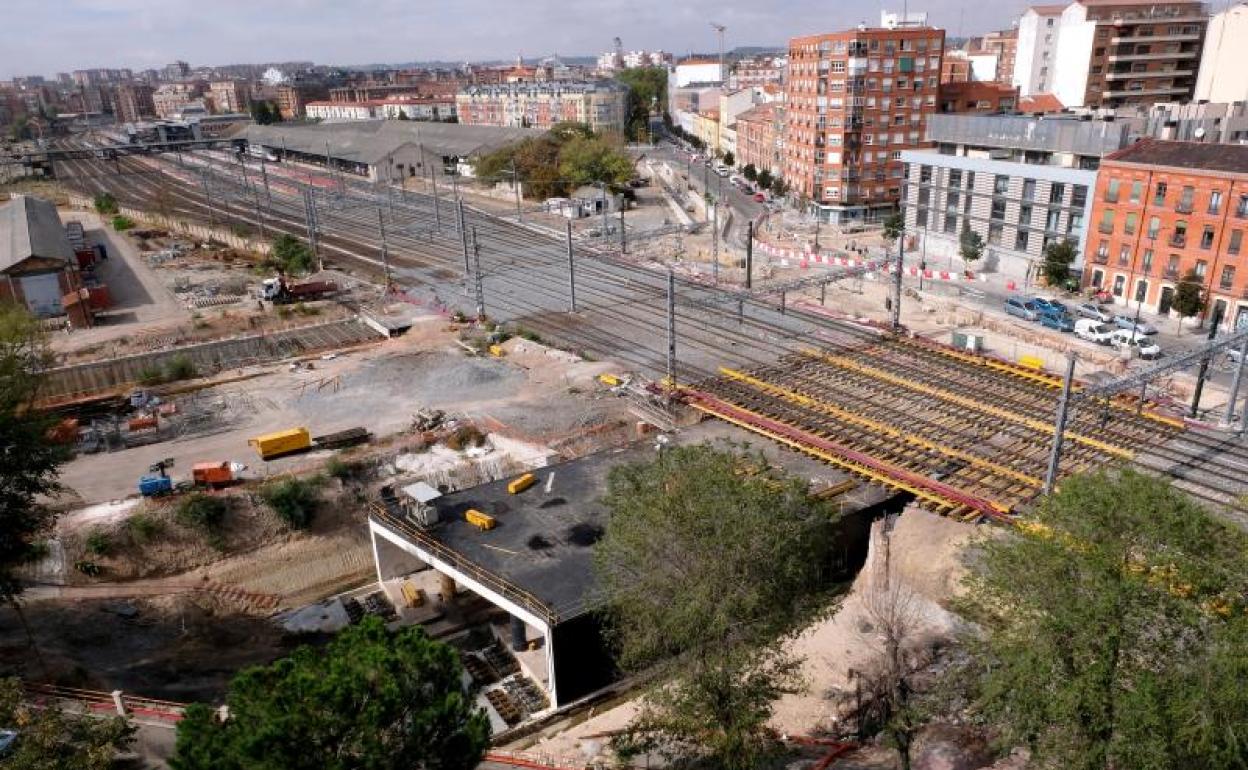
(1022, 307)
(1094, 311)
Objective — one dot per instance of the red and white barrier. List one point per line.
(804, 258)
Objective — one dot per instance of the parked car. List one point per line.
(1093, 331)
(1123, 322)
(1063, 322)
(1045, 304)
(1094, 311)
(1022, 307)
(1135, 342)
(759, 197)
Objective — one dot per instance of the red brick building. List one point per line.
(855, 100)
(758, 134)
(1162, 209)
(978, 97)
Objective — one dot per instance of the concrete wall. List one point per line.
(198, 232)
(1223, 73)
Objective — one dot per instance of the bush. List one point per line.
(294, 500)
(205, 513)
(142, 528)
(105, 204)
(122, 223)
(99, 543)
(180, 367)
(290, 255)
(344, 470)
(151, 375)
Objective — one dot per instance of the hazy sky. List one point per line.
(49, 36)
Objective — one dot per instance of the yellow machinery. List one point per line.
(482, 521)
(519, 485)
(282, 442)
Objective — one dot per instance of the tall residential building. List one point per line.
(599, 104)
(1111, 53)
(1224, 63)
(757, 71)
(176, 71)
(229, 96)
(1166, 209)
(855, 100)
(133, 102)
(758, 138)
(1005, 45)
(1019, 182)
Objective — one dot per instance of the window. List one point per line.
(1146, 262)
(1053, 220)
(1029, 189)
(1078, 196)
(1179, 238)
(1172, 266)
(1237, 239)
(1186, 197)
(1137, 191)
(998, 208)
(994, 234)
(1200, 268)
(1058, 191)
(925, 196)
(1206, 237)
(1102, 251)
(1107, 222)
(1141, 290)
(1120, 281)
(1159, 194)
(955, 177)
(1154, 226)
(1241, 210)
(1020, 241)
(1001, 184)
(1024, 215)
(920, 218)
(1124, 255)
(1228, 277)
(951, 201)
(1128, 225)
(1074, 225)
(1215, 201)
(951, 224)
(1111, 191)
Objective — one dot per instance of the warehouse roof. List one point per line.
(370, 141)
(1196, 156)
(30, 227)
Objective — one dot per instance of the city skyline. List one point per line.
(139, 35)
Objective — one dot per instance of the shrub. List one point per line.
(99, 543)
(205, 513)
(142, 528)
(105, 204)
(344, 470)
(180, 367)
(290, 255)
(151, 375)
(294, 500)
(122, 223)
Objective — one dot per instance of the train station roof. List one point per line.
(370, 141)
(29, 228)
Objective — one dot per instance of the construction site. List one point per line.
(480, 371)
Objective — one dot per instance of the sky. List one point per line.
(43, 37)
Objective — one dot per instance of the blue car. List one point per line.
(1048, 305)
(1063, 322)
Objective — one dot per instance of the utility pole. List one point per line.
(671, 328)
(749, 255)
(571, 273)
(602, 202)
(309, 212)
(715, 244)
(720, 29)
(901, 259)
(1059, 427)
(212, 218)
(1204, 363)
(1239, 374)
(437, 208)
(623, 238)
(463, 238)
(385, 248)
(515, 186)
(264, 174)
(476, 264)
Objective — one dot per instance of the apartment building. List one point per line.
(1164, 209)
(293, 98)
(757, 71)
(1021, 183)
(599, 104)
(759, 131)
(855, 101)
(229, 96)
(1004, 45)
(1111, 53)
(977, 96)
(171, 98)
(1223, 76)
(133, 102)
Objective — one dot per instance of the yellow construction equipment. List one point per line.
(282, 442)
(519, 485)
(496, 351)
(482, 521)
(609, 379)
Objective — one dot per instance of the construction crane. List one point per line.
(720, 29)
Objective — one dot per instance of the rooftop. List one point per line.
(30, 227)
(1040, 103)
(1195, 156)
(549, 86)
(1020, 132)
(370, 141)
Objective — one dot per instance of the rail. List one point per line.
(1162, 367)
(502, 586)
(97, 702)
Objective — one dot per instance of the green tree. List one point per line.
(402, 116)
(294, 500)
(1113, 629)
(290, 255)
(729, 159)
(593, 159)
(265, 113)
(779, 187)
(51, 739)
(105, 204)
(647, 93)
(1189, 297)
(764, 179)
(1058, 257)
(749, 172)
(893, 227)
(369, 699)
(29, 463)
(712, 615)
(970, 246)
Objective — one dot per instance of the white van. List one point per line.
(1134, 342)
(1094, 331)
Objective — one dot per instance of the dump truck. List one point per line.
(282, 442)
(212, 475)
(279, 292)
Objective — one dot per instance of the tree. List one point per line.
(970, 245)
(647, 93)
(29, 462)
(729, 159)
(583, 160)
(1058, 257)
(290, 255)
(711, 615)
(1113, 628)
(779, 187)
(402, 116)
(1189, 297)
(893, 227)
(51, 739)
(104, 204)
(749, 172)
(369, 699)
(764, 178)
(265, 113)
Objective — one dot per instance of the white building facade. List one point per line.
(1223, 74)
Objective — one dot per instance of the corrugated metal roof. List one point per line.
(370, 141)
(30, 227)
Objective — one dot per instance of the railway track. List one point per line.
(967, 435)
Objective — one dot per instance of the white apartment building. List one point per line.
(698, 71)
(1223, 74)
(342, 110)
(1035, 62)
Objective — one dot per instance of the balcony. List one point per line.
(1109, 197)
(1100, 258)
(1183, 207)
(1170, 272)
(1168, 91)
(1226, 285)
(1116, 57)
(1149, 74)
(1105, 228)
(1178, 241)
(1120, 39)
